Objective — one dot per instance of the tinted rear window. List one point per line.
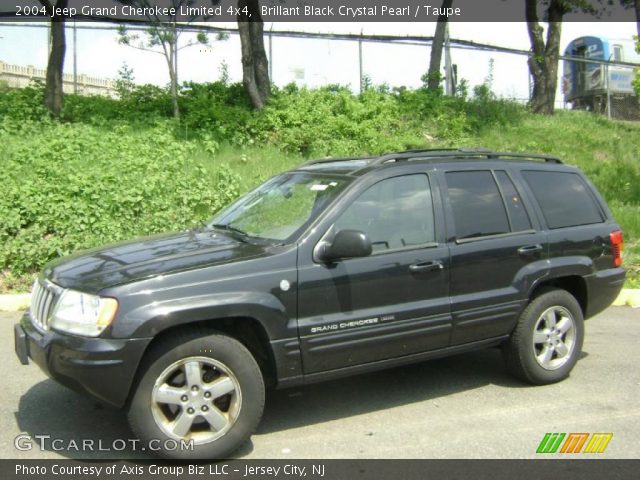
(477, 205)
(517, 213)
(564, 198)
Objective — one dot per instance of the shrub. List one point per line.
(217, 110)
(70, 187)
(144, 104)
(23, 104)
(332, 120)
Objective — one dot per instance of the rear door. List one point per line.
(392, 303)
(573, 215)
(497, 251)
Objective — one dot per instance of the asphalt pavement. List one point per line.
(459, 407)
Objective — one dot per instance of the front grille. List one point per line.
(43, 299)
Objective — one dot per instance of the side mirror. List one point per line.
(346, 244)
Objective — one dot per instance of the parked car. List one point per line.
(337, 267)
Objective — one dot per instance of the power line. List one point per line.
(416, 40)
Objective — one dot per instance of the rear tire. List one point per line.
(547, 340)
(204, 389)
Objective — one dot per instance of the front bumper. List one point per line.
(100, 367)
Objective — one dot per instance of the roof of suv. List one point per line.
(361, 165)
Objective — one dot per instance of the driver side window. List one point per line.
(394, 213)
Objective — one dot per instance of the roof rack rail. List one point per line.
(461, 153)
(531, 156)
(331, 160)
(434, 154)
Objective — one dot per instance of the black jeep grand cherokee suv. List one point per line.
(337, 267)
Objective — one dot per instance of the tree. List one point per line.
(543, 63)
(636, 82)
(125, 82)
(163, 38)
(53, 92)
(434, 76)
(255, 65)
(636, 7)
(636, 4)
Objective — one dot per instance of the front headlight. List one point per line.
(83, 314)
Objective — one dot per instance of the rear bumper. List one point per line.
(102, 368)
(603, 288)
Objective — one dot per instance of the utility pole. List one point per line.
(449, 87)
(48, 42)
(271, 53)
(360, 61)
(75, 58)
(606, 69)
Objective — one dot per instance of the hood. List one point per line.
(93, 270)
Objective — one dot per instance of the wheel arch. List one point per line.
(249, 331)
(573, 284)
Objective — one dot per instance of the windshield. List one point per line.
(281, 207)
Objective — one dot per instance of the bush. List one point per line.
(23, 104)
(144, 104)
(69, 187)
(325, 121)
(216, 110)
(333, 121)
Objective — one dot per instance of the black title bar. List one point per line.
(305, 11)
(320, 469)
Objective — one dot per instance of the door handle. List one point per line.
(426, 267)
(530, 249)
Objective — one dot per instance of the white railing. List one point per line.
(19, 76)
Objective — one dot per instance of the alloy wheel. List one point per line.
(196, 398)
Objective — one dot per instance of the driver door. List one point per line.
(392, 303)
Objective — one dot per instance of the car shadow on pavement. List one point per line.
(419, 382)
(53, 410)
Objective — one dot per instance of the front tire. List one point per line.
(547, 340)
(205, 390)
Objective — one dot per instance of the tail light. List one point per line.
(617, 246)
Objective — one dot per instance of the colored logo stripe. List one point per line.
(550, 443)
(574, 443)
(598, 442)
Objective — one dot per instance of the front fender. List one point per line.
(149, 320)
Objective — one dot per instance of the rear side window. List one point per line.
(564, 198)
(517, 214)
(477, 205)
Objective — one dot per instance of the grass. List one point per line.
(254, 165)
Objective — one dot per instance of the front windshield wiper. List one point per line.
(240, 234)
